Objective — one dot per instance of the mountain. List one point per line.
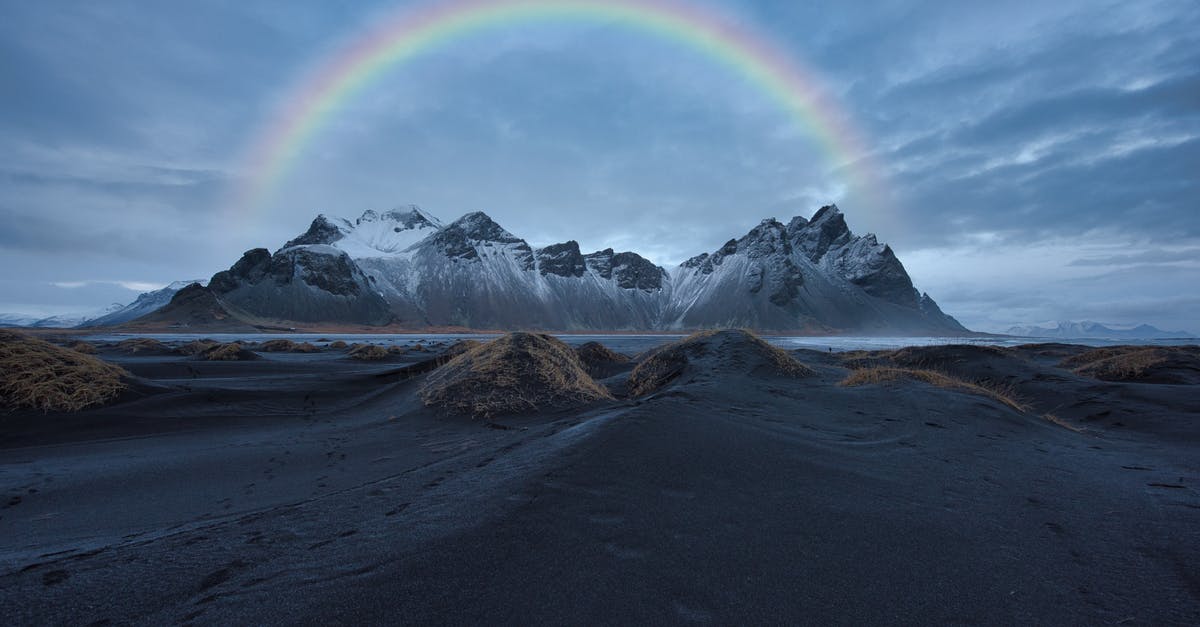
(1096, 330)
(16, 320)
(145, 303)
(408, 267)
(193, 308)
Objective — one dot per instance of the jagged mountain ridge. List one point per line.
(1087, 329)
(404, 265)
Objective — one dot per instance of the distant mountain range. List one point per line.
(1095, 330)
(406, 267)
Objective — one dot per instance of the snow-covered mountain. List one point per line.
(145, 303)
(808, 275)
(1094, 330)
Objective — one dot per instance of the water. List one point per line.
(633, 344)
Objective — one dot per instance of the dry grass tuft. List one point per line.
(36, 374)
(876, 375)
(287, 346)
(368, 352)
(396, 350)
(337, 345)
(514, 373)
(419, 348)
(231, 351)
(660, 366)
(1116, 363)
(1063, 423)
(197, 347)
(82, 347)
(599, 360)
(142, 345)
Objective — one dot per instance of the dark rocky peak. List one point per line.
(192, 294)
(460, 239)
(600, 262)
(795, 224)
(318, 265)
(696, 262)
(251, 268)
(480, 227)
(631, 270)
(826, 230)
(323, 230)
(767, 239)
(561, 259)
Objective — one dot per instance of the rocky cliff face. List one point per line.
(304, 283)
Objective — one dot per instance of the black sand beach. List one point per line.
(315, 488)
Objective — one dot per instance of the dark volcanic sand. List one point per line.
(310, 489)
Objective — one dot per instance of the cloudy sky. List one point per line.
(1038, 161)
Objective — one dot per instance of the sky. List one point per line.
(1034, 161)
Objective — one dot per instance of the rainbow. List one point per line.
(403, 35)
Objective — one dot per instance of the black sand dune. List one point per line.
(312, 488)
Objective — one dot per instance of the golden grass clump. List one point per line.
(1116, 363)
(737, 348)
(36, 374)
(196, 347)
(142, 345)
(82, 347)
(516, 372)
(884, 374)
(287, 346)
(338, 345)
(231, 351)
(368, 352)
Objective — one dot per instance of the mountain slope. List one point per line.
(145, 303)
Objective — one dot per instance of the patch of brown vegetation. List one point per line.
(1127, 363)
(231, 351)
(877, 375)
(82, 347)
(144, 345)
(367, 352)
(517, 372)
(662, 365)
(599, 360)
(337, 345)
(36, 374)
(196, 347)
(286, 346)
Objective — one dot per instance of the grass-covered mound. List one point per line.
(1148, 364)
(232, 351)
(143, 346)
(86, 348)
(196, 347)
(35, 374)
(517, 372)
(876, 375)
(368, 352)
(337, 345)
(726, 351)
(287, 346)
(599, 361)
